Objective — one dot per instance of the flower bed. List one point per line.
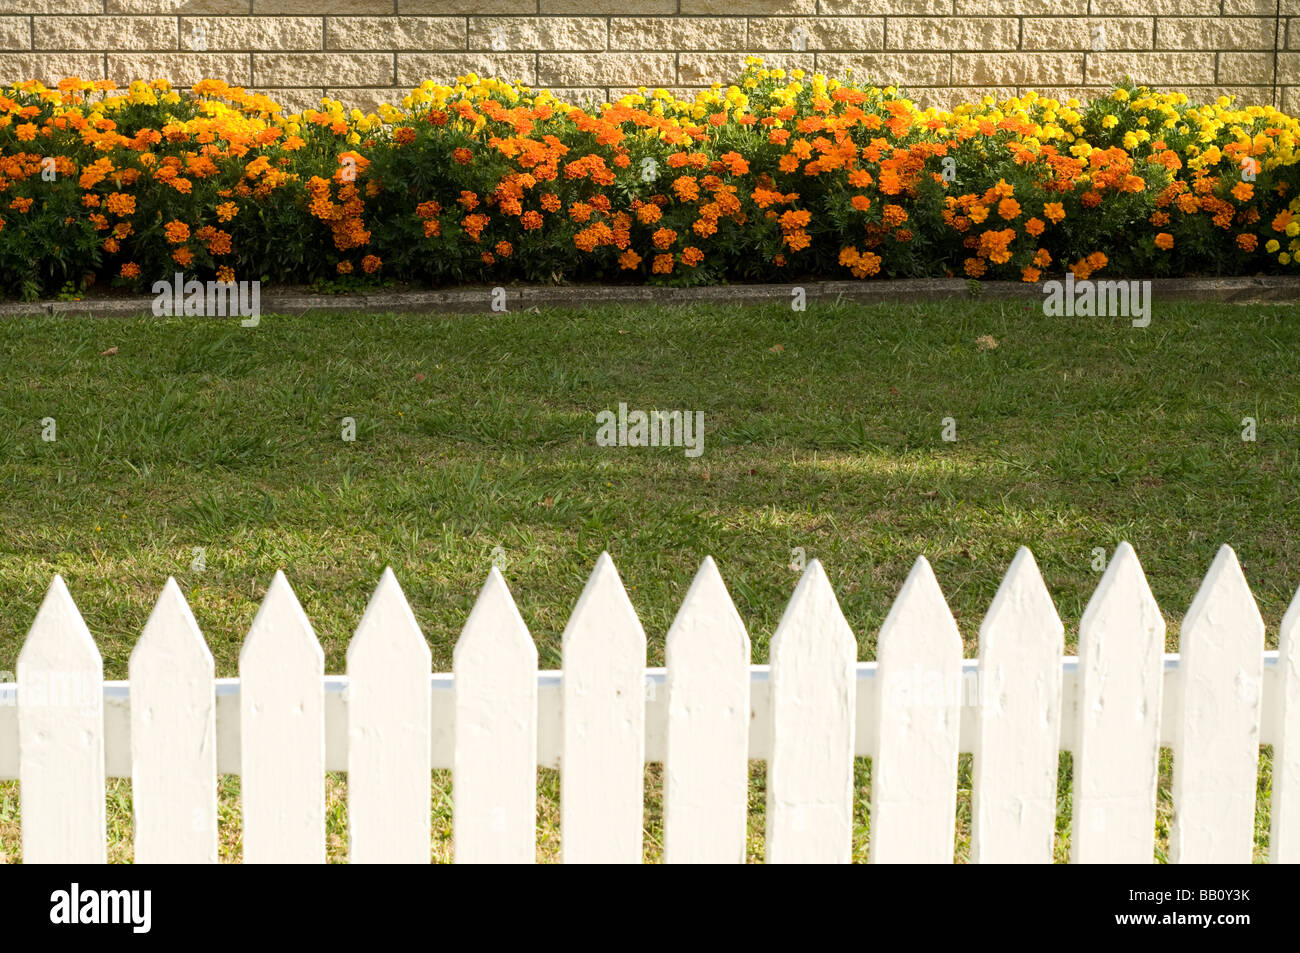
(775, 178)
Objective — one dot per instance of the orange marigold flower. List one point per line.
(649, 214)
(662, 265)
(226, 211)
(663, 238)
(121, 204)
(504, 249)
(692, 256)
(371, 264)
(182, 256)
(130, 270)
(861, 203)
(177, 232)
(344, 268)
(226, 274)
(975, 267)
(977, 213)
(1055, 212)
(1246, 241)
(1164, 241)
(1243, 191)
(531, 220)
(1035, 226)
(1042, 258)
(551, 202)
(629, 260)
(1009, 209)
(893, 215)
(462, 155)
(404, 135)
(1029, 274)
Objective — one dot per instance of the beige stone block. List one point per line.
(608, 7)
(104, 33)
(183, 69)
(323, 69)
(395, 33)
(482, 7)
(799, 34)
(538, 33)
(1016, 69)
(415, 68)
(1288, 69)
(26, 7)
(252, 33)
(677, 33)
(705, 69)
(616, 69)
(884, 69)
(1064, 33)
(1125, 8)
(15, 33)
(1184, 33)
(735, 8)
(942, 33)
(891, 8)
(324, 7)
(1027, 8)
(49, 68)
(175, 7)
(1152, 69)
(1247, 68)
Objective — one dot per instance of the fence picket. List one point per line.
(602, 767)
(1116, 756)
(1216, 742)
(494, 794)
(914, 773)
(1017, 745)
(282, 733)
(706, 768)
(1284, 837)
(389, 766)
(61, 737)
(813, 704)
(173, 737)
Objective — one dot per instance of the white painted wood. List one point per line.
(914, 774)
(602, 770)
(1284, 837)
(173, 737)
(1018, 740)
(494, 792)
(388, 733)
(1216, 752)
(61, 737)
(810, 772)
(706, 771)
(1121, 642)
(117, 716)
(282, 721)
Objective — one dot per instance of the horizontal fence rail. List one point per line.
(283, 723)
(442, 712)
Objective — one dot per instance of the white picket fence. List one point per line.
(283, 724)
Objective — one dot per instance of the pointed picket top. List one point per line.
(494, 776)
(604, 611)
(61, 736)
(813, 696)
(282, 728)
(1017, 743)
(1216, 744)
(602, 768)
(1284, 838)
(388, 629)
(918, 699)
(388, 665)
(173, 737)
(494, 624)
(706, 768)
(1121, 674)
(172, 632)
(58, 637)
(280, 626)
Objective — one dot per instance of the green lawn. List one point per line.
(823, 432)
